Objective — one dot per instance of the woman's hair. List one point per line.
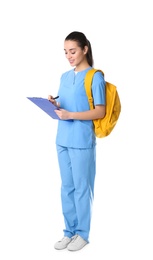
(82, 41)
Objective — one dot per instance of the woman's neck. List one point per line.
(82, 66)
(77, 69)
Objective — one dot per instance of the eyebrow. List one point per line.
(70, 49)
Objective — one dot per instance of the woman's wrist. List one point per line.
(56, 104)
(71, 115)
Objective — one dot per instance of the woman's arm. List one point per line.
(97, 112)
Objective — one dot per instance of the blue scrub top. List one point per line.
(72, 97)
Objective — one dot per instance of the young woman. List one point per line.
(76, 141)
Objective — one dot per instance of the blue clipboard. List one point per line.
(45, 105)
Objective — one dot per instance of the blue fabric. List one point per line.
(72, 97)
(76, 150)
(77, 169)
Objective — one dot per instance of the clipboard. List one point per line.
(45, 105)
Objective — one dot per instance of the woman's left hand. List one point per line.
(63, 114)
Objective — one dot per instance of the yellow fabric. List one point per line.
(104, 126)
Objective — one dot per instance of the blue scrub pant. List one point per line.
(77, 170)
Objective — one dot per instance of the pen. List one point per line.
(55, 97)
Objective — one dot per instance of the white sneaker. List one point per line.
(76, 243)
(62, 244)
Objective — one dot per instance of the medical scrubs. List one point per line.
(76, 150)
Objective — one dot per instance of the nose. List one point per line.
(68, 56)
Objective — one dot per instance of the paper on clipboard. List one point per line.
(45, 105)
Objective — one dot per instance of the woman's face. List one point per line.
(75, 55)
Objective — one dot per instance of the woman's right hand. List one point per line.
(52, 100)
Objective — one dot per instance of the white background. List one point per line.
(31, 62)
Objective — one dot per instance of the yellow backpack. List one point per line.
(104, 126)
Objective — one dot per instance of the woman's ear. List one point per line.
(85, 49)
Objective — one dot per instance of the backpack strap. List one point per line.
(88, 83)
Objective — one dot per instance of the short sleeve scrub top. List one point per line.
(72, 97)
